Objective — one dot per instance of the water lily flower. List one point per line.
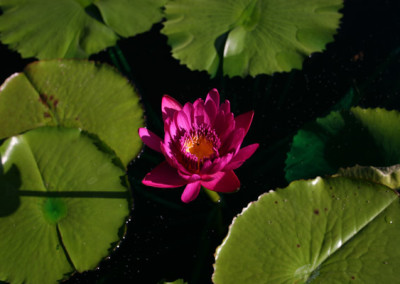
(201, 146)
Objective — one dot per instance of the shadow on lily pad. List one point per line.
(9, 195)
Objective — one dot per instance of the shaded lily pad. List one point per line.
(66, 28)
(73, 203)
(249, 37)
(334, 230)
(367, 137)
(74, 93)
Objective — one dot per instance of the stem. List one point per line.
(214, 196)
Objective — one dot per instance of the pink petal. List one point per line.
(189, 111)
(211, 110)
(167, 151)
(200, 114)
(163, 176)
(206, 167)
(170, 127)
(167, 140)
(242, 156)
(244, 120)
(220, 164)
(226, 106)
(223, 182)
(224, 125)
(189, 177)
(191, 191)
(169, 106)
(233, 142)
(171, 159)
(227, 128)
(213, 95)
(219, 123)
(237, 139)
(206, 119)
(150, 139)
(217, 165)
(182, 121)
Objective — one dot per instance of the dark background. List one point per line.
(167, 239)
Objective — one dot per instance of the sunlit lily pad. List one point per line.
(368, 137)
(334, 230)
(389, 176)
(63, 207)
(73, 28)
(74, 93)
(249, 37)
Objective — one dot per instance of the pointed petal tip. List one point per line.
(213, 95)
(169, 106)
(214, 91)
(244, 120)
(150, 139)
(254, 146)
(242, 156)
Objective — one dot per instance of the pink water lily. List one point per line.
(201, 146)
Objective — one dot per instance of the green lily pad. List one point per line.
(367, 137)
(33, 27)
(69, 206)
(249, 37)
(389, 176)
(334, 230)
(74, 93)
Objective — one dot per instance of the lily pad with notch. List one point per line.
(249, 37)
(74, 93)
(331, 230)
(73, 28)
(73, 204)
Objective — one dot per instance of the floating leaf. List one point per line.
(367, 137)
(334, 230)
(71, 205)
(130, 17)
(73, 93)
(249, 36)
(64, 28)
(389, 176)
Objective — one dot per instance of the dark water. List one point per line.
(168, 239)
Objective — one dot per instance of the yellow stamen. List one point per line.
(199, 146)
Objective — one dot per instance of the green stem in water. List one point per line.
(214, 196)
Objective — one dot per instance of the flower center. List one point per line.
(199, 146)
